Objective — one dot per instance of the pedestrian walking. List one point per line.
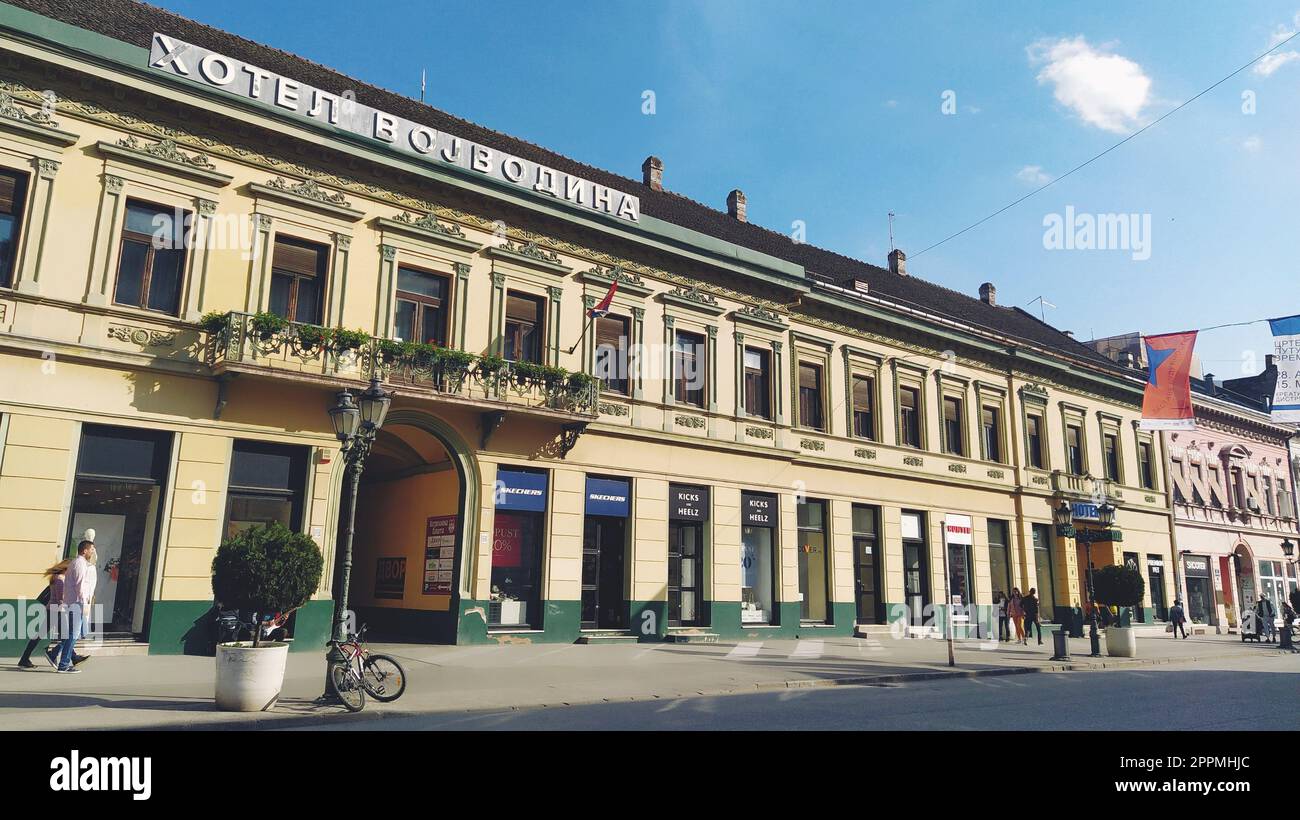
(1017, 614)
(1264, 616)
(1177, 618)
(1030, 606)
(78, 593)
(53, 592)
(1004, 618)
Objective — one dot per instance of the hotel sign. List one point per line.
(208, 68)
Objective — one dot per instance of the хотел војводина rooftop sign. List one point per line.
(207, 68)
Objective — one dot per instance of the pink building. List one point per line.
(1233, 483)
(1234, 502)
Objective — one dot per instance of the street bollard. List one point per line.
(1060, 644)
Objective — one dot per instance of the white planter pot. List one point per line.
(1121, 642)
(248, 679)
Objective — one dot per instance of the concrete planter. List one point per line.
(249, 679)
(1121, 642)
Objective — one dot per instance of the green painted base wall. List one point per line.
(648, 620)
(561, 623)
(186, 627)
(14, 633)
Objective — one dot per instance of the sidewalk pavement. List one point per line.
(176, 692)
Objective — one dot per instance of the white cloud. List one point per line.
(1251, 143)
(891, 103)
(1272, 62)
(1102, 88)
(1034, 175)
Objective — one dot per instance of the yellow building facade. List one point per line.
(759, 438)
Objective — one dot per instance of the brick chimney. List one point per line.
(1209, 383)
(736, 205)
(988, 294)
(652, 173)
(898, 262)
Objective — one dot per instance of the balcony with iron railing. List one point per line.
(267, 345)
(1085, 486)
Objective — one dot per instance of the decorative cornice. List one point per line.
(628, 282)
(529, 253)
(166, 150)
(36, 124)
(15, 112)
(309, 189)
(430, 223)
(693, 298)
(759, 316)
(309, 193)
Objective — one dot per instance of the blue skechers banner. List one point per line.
(1286, 350)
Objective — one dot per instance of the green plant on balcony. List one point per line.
(531, 374)
(311, 337)
(214, 322)
(266, 324)
(391, 350)
(344, 339)
(456, 359)
(489, 368)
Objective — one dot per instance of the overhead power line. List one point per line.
(1093, 159)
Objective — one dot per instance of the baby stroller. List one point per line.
(1250, 626)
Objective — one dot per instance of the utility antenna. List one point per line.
(891, 231)
(422, 85)
(1042, 303)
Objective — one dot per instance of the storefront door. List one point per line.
(866, 564)
(1044, 571)
(916, 568)
(688, 512)
(121, 477)
(1156, 577)
(604, 541)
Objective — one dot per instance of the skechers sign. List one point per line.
(204, 67)
(518, 490)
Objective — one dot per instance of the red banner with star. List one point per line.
(1167, 402)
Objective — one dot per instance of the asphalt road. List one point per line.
(1241, 695)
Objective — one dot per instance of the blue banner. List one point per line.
(608, 496)
(518, 490)
(1286, 355)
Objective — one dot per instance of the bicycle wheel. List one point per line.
(346, 687)
(383, 678)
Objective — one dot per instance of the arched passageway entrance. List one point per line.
(414, 516)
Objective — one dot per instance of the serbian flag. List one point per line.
(1167, 403)
(601, 308)
(1286, 355)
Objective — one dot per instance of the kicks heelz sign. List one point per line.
(203, 67)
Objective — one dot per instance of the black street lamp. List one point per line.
(1284, 642)
(1105, 515)
(356, 424)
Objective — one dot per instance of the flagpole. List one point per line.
(581, 335)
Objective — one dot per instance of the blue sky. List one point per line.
(833, 114)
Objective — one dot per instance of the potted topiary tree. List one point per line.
(261, 571)
(1121, 587)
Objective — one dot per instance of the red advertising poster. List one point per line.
(507, 540)
(439, 554)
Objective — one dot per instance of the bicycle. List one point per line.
(363, 672)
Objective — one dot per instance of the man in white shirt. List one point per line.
(78, 592)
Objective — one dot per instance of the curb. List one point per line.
(895, 679)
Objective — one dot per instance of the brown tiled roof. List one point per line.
(133, 22)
